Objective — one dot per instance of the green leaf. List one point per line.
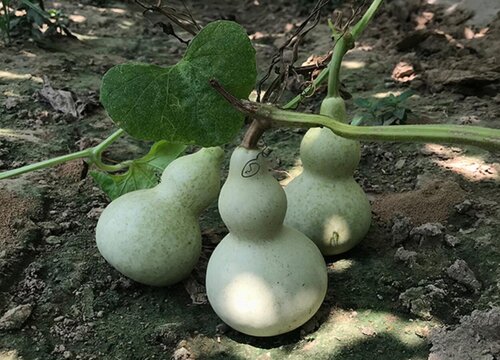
(405, 95)
(177, 103)
(143, 173)
(400, 113)
(364, 103)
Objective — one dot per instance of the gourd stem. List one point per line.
(367, 17)
(253, 134)
(342, 46)
(486, 138)
(93, 153)
(46, 163)
(355, 33)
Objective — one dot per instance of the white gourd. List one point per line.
(153, 236)
(264, 278)
(325, 202)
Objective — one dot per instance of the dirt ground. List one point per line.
(424, 284)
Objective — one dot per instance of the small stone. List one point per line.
(427, 232)
(400, 164)
(182, 354)
(53, 240)
(451, 240)
(463, 207)
(422, 332)
(467, 231)
(67, 354)
(9, 355)
(368, 331)
(15, 317)
(405, 256)
(400, 230)
(461, 273)
(59, 318)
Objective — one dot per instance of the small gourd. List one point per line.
(325, 202)
(153, 236)
(264, 278)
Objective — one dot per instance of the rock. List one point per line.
(418, 300)
(477, 337)
(53, 240)
(182, 354)
(451, 240)
(463, 207)
(400, 164)
(9, 355)
(461, 273)
(15, 317)
(428, 232)
(405, 255)
(400, 230)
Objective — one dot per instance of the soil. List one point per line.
(425, 276)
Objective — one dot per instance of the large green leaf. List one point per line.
(143, 173)
(177, 103)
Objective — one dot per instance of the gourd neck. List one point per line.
(192, 181)
(252, 204)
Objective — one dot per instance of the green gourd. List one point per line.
(264, 278)
(153, 236)
(325, 202)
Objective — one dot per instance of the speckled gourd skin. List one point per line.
(264, 278)
(153, 236)
(325, 202)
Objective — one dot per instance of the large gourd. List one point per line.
(153, 236)
(264, 278)
(325, 202)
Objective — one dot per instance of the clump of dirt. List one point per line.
(18, 231)
(477, 337)
(12, 209)
(432, 203)
(73, 171)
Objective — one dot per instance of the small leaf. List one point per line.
(143, 173)
(177, 103)
(405, 95)
(400, 113)
(364, 103)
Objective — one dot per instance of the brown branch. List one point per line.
(259, 124)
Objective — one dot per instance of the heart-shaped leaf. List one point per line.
(177, 103)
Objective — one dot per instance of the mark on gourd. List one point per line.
(334, 239)
(252, 166)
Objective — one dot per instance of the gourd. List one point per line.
(263, 278)
(153, 236)
(325, 202)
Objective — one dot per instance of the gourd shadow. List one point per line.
(271, 342)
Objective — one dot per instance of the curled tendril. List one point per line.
(252, 166)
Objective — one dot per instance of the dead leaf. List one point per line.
(196, 291)
(60, 100)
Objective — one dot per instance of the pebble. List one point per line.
(400, 164)
(405, 256)
(15, 317)
(451, 240)
(400, 230)
(461, 273)
(427, 232)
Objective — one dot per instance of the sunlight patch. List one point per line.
(472, 168)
